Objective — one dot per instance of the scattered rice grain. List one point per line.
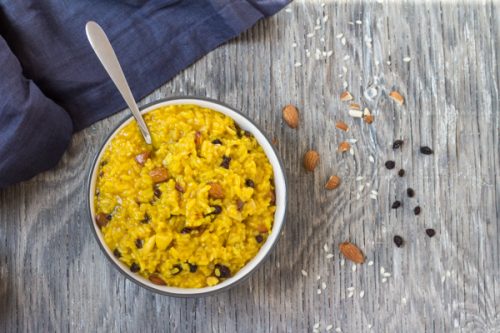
(303, 272)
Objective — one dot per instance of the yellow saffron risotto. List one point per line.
(193, 209)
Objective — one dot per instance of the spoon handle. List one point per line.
(104, 51)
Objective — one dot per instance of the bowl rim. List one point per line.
(197, 292)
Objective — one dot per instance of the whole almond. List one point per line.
(332, 183)
(341, 125)
(216, 191)
(368, 119)
(159, 175)
(346, 96)
(344, 146)
(311, 160)
(352, 252)
(157, 280)
(397, 97)
(291, 115)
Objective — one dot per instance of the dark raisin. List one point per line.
(390, 165)
(101, 174)
(398, 240)
(417, 210)
(103, 163)
(217, 142)
(192, 267)
(217, 209)
(401, 172)
(249, 183)
(396, 204)
(186, 230)
(397, 144)
(176, 269)
(138, 243)
(259, 238)
(225, 161)
(238, 130)
(273, 198)
(430, 232)
(109, 217)
(426, 150)
(222, 271)
(157, 192)
(117, 253)
(135, 267)
(179, 188)
(146, 219)
(248, 134)
(410, 192)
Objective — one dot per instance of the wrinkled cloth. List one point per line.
(51, 83)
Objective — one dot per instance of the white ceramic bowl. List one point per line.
(280, 189)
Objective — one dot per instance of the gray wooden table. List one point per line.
(53, 276)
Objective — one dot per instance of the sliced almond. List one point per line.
(366, 112)
(159, 175)
(344, 146)
(352, 252)
(341, 125)
(396, 96)
(291, 116)
(311, 160)
(216, 191)
(368, 119)
(346, 96)
(332, 183)
(262, 228)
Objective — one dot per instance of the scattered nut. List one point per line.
(197, 138)
(311, 160)
(346, 96)
(352, 252)
(159, 174)
(142, 157)
(332, 183)
(291, 115)
(368, 119)
(341, 125)
(397, 97)
(157, 280)
(216, 191)
(344, 146)
(354, 106)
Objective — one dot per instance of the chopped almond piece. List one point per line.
(341, 125)
(346, 96)
(159, 174)
(354, 106)
(142, 157)
(344, 146)
(368, 119)
(397, 97)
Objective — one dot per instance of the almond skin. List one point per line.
(311, 160)
(368, 119)
(332, 183)
(216, 191)
(397, 97)
(291, 116)
(346, 96)
(352, 252)
(157, 280)
(344, 146)
(341, 125)
(159, 174)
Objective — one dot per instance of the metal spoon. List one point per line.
(102, 47)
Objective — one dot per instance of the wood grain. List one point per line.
(53, 277)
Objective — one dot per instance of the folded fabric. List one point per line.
(52, 83)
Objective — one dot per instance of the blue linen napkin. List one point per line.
(51, 83)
